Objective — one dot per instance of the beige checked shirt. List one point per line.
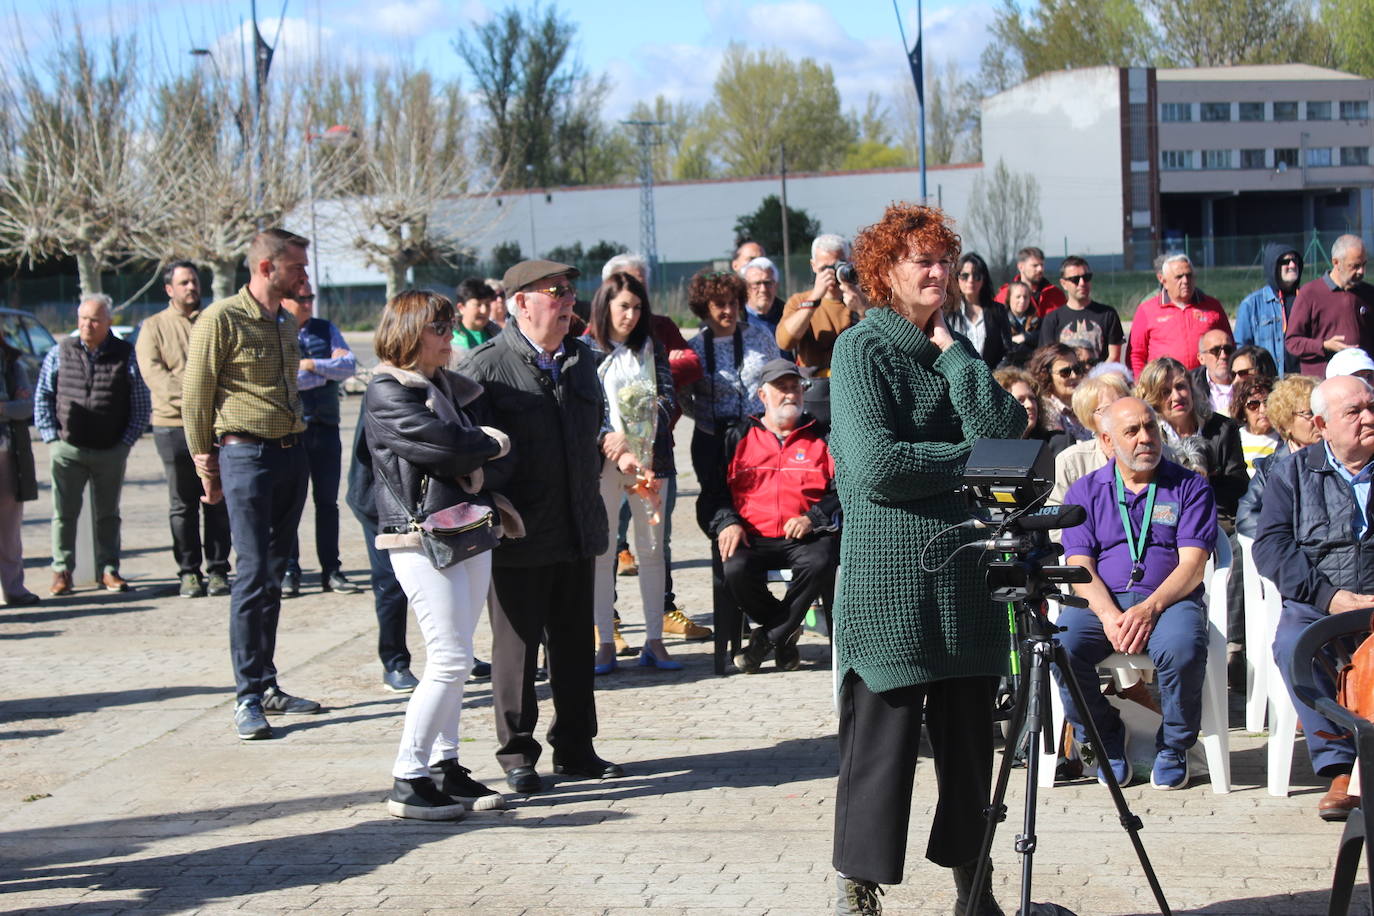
(240, 374)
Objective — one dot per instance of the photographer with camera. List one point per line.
(811, 321)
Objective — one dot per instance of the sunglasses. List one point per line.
(1223, 350)
(1284, 262)
(1079, 279)
(1242, 373)
(1066, 371)
(442, 328)
(556, 292)
(1254, 404)
(970, 276)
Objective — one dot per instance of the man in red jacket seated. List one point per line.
(1171, 322)
(770, 506)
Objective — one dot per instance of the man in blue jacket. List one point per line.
(1263, 315)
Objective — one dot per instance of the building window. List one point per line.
(1177, 159)
(1252, 111)
(1319, 111)
(1252, 158)
(1216, 159)
(1319, 156)
(1216, 111)
(1286, 157)
(1176, 111)
(1354, 155)
(1355, 111)
(1285, 111)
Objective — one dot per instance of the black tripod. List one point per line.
(1038, 648)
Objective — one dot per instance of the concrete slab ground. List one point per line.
(123, 788)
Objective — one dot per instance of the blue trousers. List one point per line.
(1178, 648)
(324, 454)
(1329, 756)
(264, 491)
(389, 599)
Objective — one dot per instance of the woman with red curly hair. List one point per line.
(732, 354)
(908, 398)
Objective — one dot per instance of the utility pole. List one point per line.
(646, 138)
(786, 236)
(913, 58)
(262, 65)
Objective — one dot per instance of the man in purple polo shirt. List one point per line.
(1151, 526)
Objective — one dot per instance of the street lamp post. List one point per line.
(331, 136)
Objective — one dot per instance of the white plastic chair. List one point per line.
(1214, 735)
(1283, 715)
(1259, 637)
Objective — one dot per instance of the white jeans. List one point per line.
(447, 603)
(648, 547)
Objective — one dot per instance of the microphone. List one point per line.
(1046, 519)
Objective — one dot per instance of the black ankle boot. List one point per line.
(963, 883)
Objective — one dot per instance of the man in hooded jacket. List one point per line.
(1263, 315)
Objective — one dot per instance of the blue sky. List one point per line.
(671, 48)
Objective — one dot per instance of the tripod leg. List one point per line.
(1129, 821)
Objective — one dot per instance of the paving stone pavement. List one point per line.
(123, 788)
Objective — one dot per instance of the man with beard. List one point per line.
(244, 419)
(1030, 270)
(1334, 311)
(1263, 315)
(771, 506)
(1150, 528)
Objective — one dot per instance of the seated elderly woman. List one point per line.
(1289, 409)
(1057, 369)
(1257, 436)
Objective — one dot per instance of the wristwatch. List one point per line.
(809, 304)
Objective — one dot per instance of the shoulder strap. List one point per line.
(414, 518)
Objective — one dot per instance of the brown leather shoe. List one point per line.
(61, 583)
(113, 582)
(1337, 803)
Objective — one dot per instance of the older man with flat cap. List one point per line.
(546, 396)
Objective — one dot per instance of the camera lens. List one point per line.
(845, 273)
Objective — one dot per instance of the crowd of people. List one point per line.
(515, 444)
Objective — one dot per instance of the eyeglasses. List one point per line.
(1242, 373)
(1079, 279)
(1223, 350)
(1254, 404)
(442, 328)
(970, 276)
(925, 263)
(1305, 414)
(1066, 371)
(762, 284)
(556, 292)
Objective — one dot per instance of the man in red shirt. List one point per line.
(1030, 270)
(1171, 322)
(770, 506)
(1334, 311)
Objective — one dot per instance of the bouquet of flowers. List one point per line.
(639, 413)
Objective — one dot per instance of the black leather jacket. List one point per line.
(408, 441)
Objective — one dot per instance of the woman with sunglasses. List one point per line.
(1289, 408)
(1257, 436)
(973, 313)
(428, 441)
(1252, 360)
(1057, 369)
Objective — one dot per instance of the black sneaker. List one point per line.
(419, 798)
(192, 586)
(752, 656)
(480, 670)
(250, 722)
(400, 681)
(218, 586)
(462, 787)
(335, 582)
(276, 701)
(290, 584)
(788, 656)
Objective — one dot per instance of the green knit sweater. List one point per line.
(904, 417)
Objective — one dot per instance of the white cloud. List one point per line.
(410, 18)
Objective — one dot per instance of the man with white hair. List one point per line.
(1150, 528)
(762, 303)
(1334, 311)
(813, 320)
(1315, 542)
(91, 404)
(1172, 322)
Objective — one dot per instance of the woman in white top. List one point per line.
(1248, 408)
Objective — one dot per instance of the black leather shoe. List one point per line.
(290, 584)
(524, 780)
(589, 768)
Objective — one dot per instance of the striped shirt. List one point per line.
(45, 397)
(240, 374)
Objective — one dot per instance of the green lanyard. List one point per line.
(1137, 548)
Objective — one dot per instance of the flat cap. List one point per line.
(775, 369)
(527, 273)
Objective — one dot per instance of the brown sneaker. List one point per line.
(625, 564)
(113, 582)
(679, 624)
(61, 583)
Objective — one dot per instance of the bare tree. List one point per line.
(1003, 215)
(70, 182)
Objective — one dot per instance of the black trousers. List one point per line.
(551, 603)
(389, 600)
(813, 561)
(880, 735)
(184, 508)
(324, 452)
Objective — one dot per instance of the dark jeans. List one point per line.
(812, 559)
(185, 508)
(324, 454)
(552, 603)
(1178, 648)
(1330, 756)
(390, 602)
(880, 739)
(264, 491)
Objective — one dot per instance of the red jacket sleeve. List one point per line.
(1140, 337)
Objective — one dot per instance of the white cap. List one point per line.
(1348, 362)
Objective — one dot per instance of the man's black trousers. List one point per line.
(812, 559)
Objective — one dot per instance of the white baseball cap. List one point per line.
(1348, 362)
